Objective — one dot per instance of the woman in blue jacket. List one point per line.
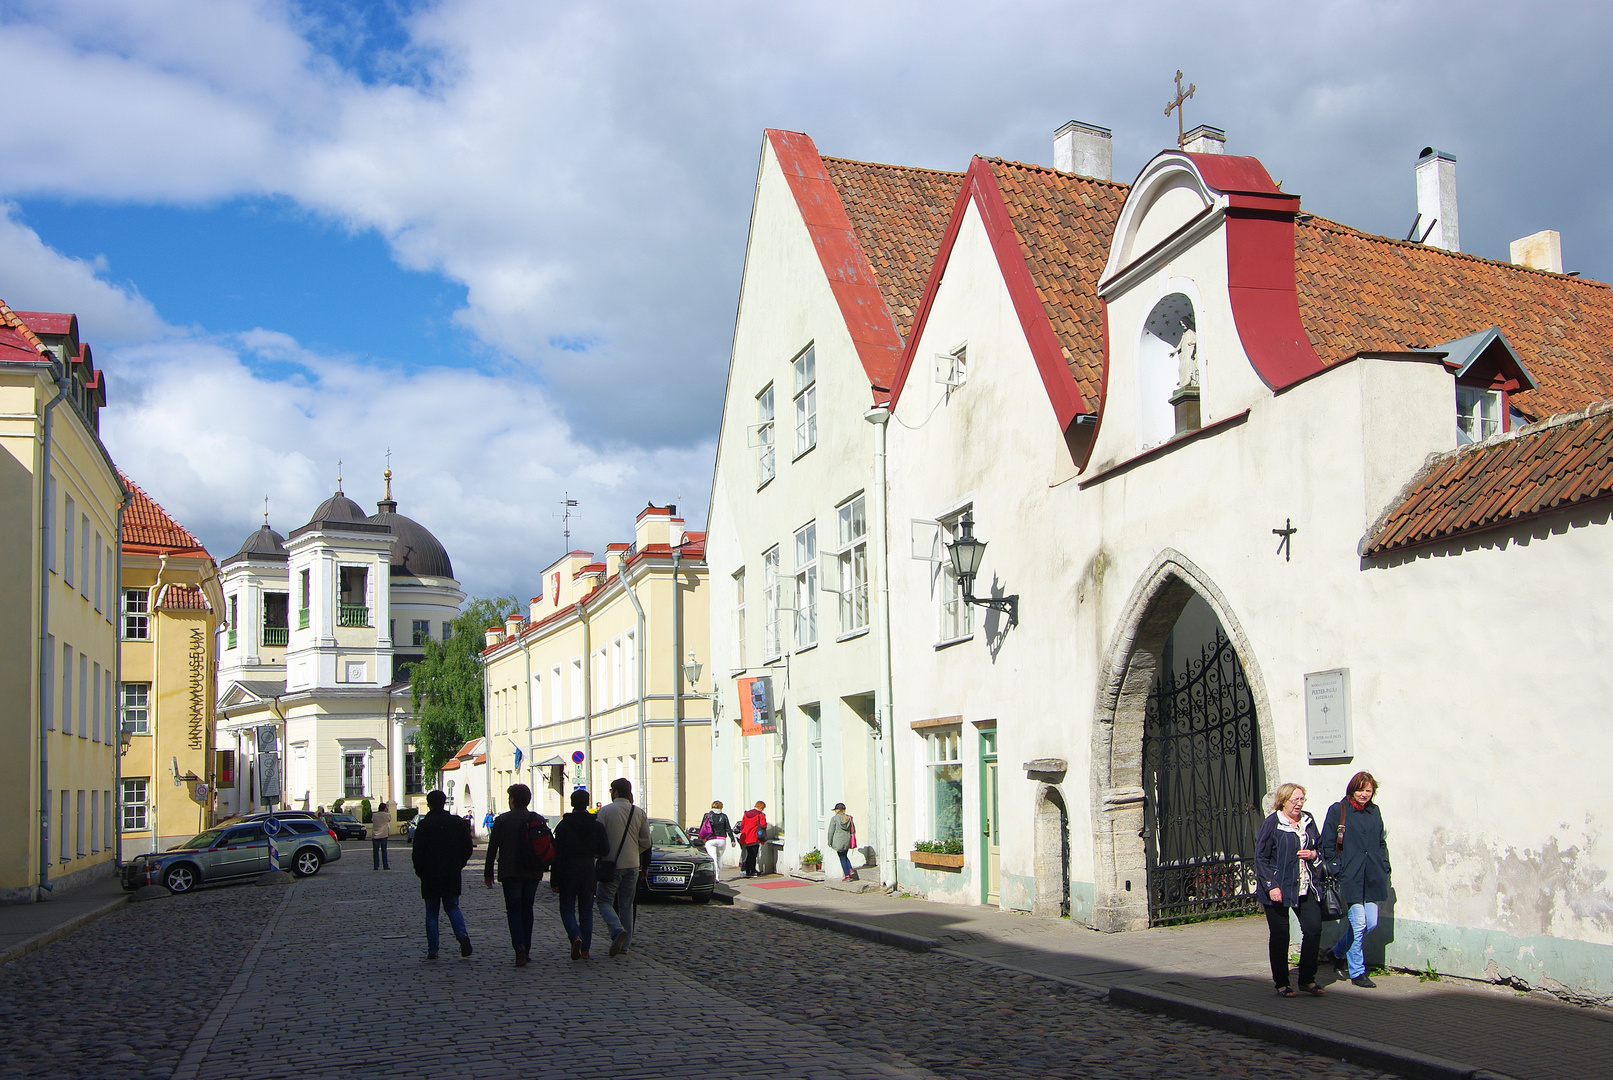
(1285, 851)
(1357, 850)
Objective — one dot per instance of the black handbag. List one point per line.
(1329, 888)
(605, 869)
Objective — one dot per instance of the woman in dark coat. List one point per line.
(1356, 848)
(579, 839)
(442, 847)
(1285, 851)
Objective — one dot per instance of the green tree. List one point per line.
(447, 685)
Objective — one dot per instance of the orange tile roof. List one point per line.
(148, 525)
(1365, 293)
(183, 598)
(899, 215)
(1064, 223)
(1561, 462)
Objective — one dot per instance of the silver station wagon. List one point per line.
(234, 851)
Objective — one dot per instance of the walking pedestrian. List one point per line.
(579, 840)
(511, 858)
(1285, 851)
(843, 837)
(627, 834)
(752, 831)
(380, 829)
(716, 832)
(1357, 849)
(442, 847)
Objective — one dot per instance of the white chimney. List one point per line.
(1542, 251)
(1084, 149)
(1205, 139)
(1436, 199)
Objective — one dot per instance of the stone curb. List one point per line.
(61, 930)
(1355, 1051)
(894, 938)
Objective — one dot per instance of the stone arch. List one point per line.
(1130, 666)
(1052, 851)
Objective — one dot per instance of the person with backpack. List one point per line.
(716, 832)
(521, 846)
(579, 840)
(752, 831)
(442, 847)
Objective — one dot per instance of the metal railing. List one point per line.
(354, 616)
(276, 635)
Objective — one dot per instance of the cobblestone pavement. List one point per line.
(327, 978)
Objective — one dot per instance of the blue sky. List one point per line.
(504, 238)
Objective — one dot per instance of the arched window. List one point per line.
(1168, 372)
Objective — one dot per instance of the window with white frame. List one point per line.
(739, 619)
(630, 666)
(537, 700)
(944, 763)
(770, 605)
(763, 439)
(601, 673)
(353, 762)
(83, 696)
(853, 565)
(957, 616)
(48, 706)
(97, 597)
(110, 706)
(108, 608)
(67, 689)
(95, 702)
(69, 516)
(556, 706)
(82, 848)
(952, 369)
(805, 372)
(84, 556)
(136, 615)
(65, 818)
(134, 805)
(618, 681)
(806, 586)
(576, 686)
(1478, 414)
(95, 817)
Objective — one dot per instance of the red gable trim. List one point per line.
(980, 187)
(851, 276)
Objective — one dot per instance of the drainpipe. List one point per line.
(880, 418)
(117, 685)
(677, 685)
(588, 695)
(45, 538)
(526, 751)
(638, 680)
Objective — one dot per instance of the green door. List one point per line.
(991, 833)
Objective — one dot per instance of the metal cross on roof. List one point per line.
(1176, 107)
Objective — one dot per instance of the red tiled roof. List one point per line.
(1365, 293)
(148, 525)
(899, 215)
(48, 322)
(183, 598)
(1561, 462)
(1064, 223)
(18, 343)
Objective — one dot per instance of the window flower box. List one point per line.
(935, 860)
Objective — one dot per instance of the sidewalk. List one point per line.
(26, 927)
(1216, 973)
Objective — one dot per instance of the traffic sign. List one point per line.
(271, 826)
(577, 756)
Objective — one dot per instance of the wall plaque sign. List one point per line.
(1327, 715)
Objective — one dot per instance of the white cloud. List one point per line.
(34, 277)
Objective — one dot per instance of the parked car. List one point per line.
(236, 850)
(679, 865)
(280, 815)
(345, 826)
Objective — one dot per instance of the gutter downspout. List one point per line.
(588, 694)
(638, 680)
(526, 691)
(677, 685)
(46, 509)
(117, 686)
(880, 416)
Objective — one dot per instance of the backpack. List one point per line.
(536, 847)
(705, 832)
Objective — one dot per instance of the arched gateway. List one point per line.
(1181, 751)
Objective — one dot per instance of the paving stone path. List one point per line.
(327, 978)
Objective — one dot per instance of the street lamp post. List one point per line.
(966, 553)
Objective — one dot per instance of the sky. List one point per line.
(503, 238)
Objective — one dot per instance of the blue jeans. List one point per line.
(1359, 921)
(845, 863)
(616, 902)
(518, 898)
(378, 851)
(577, 915)
(456, 919)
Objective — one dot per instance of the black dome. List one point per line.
(417, 553)
(338, 508)
(264, 542)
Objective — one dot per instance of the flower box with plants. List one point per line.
(938, 854)
(812, 860)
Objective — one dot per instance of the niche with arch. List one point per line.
(1168, 372)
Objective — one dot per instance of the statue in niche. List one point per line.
(1187, 358)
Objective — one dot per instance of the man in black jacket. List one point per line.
(578, 841)
(517, 868)
(442, 847)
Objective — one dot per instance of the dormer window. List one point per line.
(1478, 414)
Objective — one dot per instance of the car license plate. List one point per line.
(670, 879)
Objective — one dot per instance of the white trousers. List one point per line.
(715, 847)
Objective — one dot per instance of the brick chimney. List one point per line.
(1084, 149)
(1436, 199)
(494, 636)
(1542, 251)
(1205, 139)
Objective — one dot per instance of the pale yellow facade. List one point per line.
(59, 501)
(584, 672)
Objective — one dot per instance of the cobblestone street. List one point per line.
(338, 984)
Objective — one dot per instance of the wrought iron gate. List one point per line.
(1202, 780)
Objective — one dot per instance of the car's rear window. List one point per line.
(301, 828)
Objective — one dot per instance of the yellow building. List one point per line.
(59, 508)
(171, 607)
(597, 669)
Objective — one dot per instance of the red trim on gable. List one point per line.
(980, 187)
(851, 276)
(1264, 291)
(1234, 173)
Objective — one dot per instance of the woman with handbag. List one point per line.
(1285, 854)
(716, 833)
(1357, 850)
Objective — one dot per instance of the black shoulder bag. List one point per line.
(1329, 889)
(605, 869)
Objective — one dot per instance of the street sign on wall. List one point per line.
(1327, 715)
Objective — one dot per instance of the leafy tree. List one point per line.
(447, 685)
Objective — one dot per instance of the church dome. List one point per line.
(416, 553)
(265, 543)
(338, 508)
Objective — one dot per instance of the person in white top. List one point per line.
(380, 829)
(627, 837)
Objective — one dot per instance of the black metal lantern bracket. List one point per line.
(966, 553)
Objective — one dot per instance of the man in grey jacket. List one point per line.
(627, 837)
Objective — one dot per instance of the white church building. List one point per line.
(1264, 499)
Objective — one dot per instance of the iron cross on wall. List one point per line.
(1176, 106)
(1284, 548)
